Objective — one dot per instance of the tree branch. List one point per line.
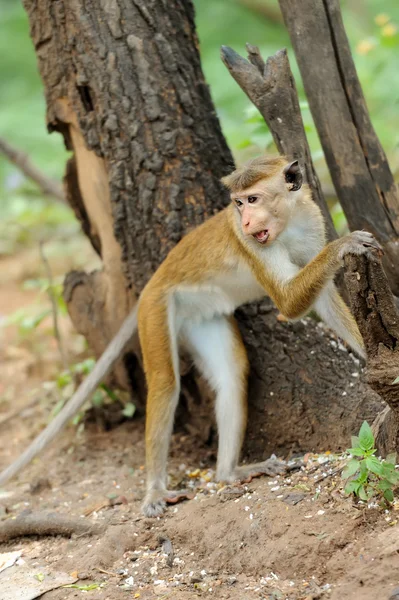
(49, 186)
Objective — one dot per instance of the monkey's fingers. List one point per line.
(281, 318)
(173, 497)
(374, 245)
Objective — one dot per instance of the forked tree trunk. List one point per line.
(357, 163)
(124, 86)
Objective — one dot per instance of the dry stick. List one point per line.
(374, 309)
(23, 162)
(54, 309)
(271, 88)
(45, 524)
(15, 413)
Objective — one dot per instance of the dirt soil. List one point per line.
(295, 537)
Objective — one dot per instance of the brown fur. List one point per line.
(253, 171)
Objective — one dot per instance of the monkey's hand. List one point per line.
(271, 467)
(359, 242)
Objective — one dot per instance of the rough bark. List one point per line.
(356, 160)
(376, 313)
(306, 391)
(271, 87)
(124, 86)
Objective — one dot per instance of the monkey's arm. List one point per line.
(111, 354)
(296, 296)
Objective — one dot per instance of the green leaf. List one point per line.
(351, 468)
(384, 485)
(355, 441)
(356, 451)
(392, 477)
(388, 495)
(57, 408)
(366, 437)
(110, 393)
(395, 381)
(98, 398)
(83, 588)
(63, 379)
(362, 493)
(85, 367)
(39, 576)
(374, 465)
(30, 323)
(352, 487)
(129, 410)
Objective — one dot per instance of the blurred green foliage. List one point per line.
(374, 45)
(27, 216)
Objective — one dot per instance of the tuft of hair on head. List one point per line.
(253, 171)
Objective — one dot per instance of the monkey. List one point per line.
(269, 241)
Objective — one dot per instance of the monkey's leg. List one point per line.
(220, 355)
(158, 338)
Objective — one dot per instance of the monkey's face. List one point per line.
(265, 207)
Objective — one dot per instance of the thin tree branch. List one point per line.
(49, 187)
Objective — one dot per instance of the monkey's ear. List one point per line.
(293, 176)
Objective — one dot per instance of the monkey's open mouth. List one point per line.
(261, 236)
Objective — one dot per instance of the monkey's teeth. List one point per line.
(262, 236)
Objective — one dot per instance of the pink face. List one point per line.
(264, 210)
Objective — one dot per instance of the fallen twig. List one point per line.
(18, 411)
(22, 161)
(28, 523)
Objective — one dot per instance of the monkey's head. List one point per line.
(262, 192)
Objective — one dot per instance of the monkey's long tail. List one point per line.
(103, 366)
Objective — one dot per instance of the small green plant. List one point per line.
(67, 382)
(369, 476)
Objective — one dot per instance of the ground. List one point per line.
(294, 537)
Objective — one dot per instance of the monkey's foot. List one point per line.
(271, 467)
(155, 502)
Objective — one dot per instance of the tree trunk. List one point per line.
(376, 313)
(124, 86)
(355, 158)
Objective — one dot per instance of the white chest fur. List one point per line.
(218, 296)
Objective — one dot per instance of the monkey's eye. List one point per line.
(252, 199)
(238, 203)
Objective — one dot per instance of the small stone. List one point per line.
(394, 594)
